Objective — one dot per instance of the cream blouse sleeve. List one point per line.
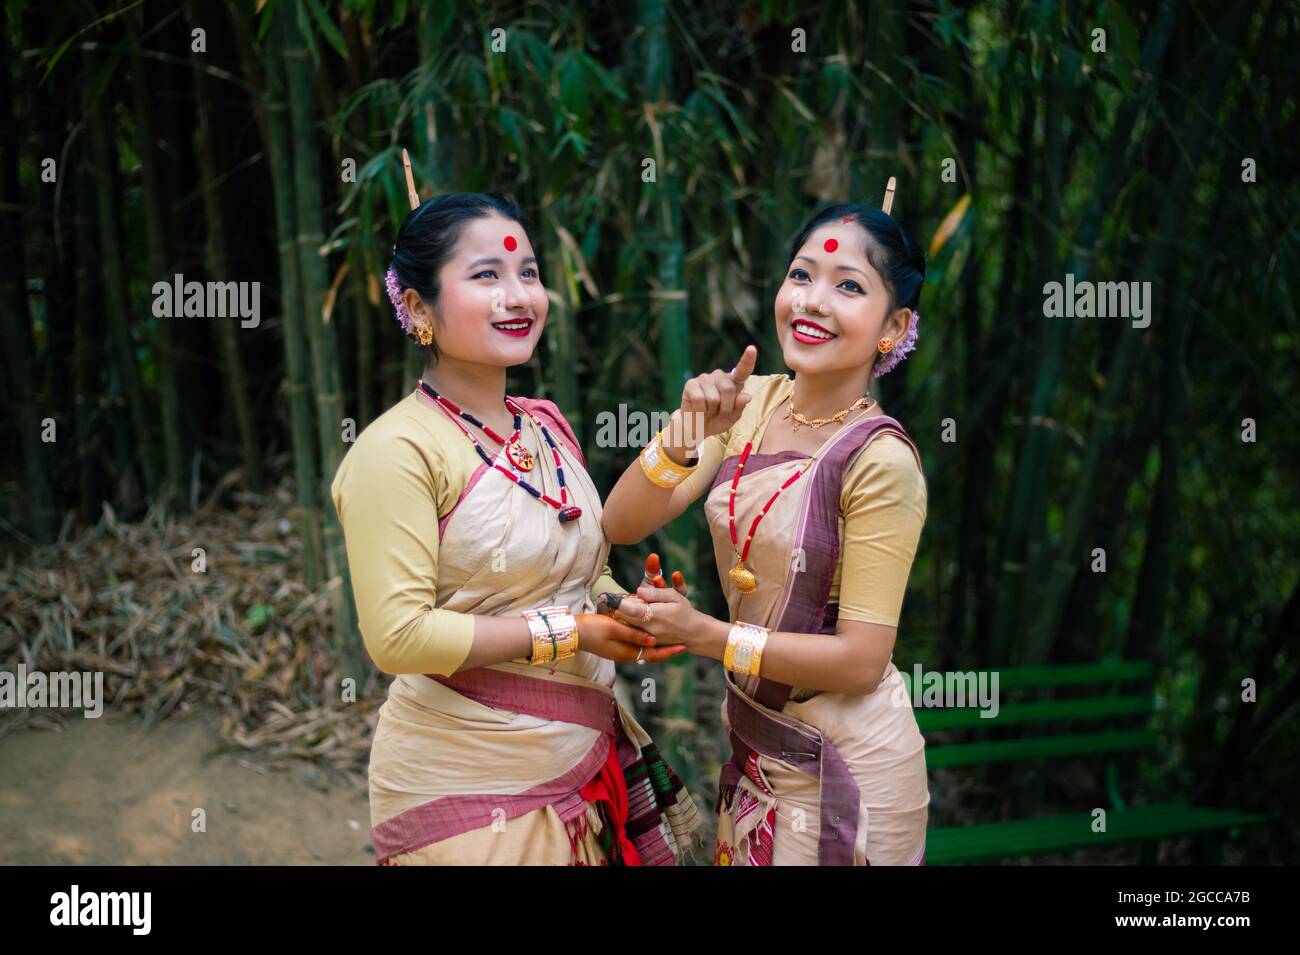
(605, 584)
(388, 492)
(883, 506)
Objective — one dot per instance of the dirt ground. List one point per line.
(109, 791)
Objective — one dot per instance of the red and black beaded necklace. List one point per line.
(516, 453)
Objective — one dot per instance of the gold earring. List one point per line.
(425, 335)
(885, 346)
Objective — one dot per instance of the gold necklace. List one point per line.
(866, 401)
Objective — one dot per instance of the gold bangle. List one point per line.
(555, 634)
(659, 468)
(567, 646)
(744, 652)
(756, 659)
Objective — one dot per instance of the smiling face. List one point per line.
(491, 305)
(833, 306)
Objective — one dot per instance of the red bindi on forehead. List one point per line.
(830, 245)
(511, 243)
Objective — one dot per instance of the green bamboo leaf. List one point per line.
(579, 144)
(445, 13)
(58, 55)
(602, 76)
(530, 50)
(104, 75)
(305, 30)
(327, 27)
(512, 127)
(573, 90)
(264, 18)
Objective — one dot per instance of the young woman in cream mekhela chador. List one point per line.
(815, 499)
(474, 542)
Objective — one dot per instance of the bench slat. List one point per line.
(1060, 674)
(1043, 747)
(1040, 711)
(1050, 834)
(1074, 674)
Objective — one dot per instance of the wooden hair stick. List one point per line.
(411, 194)
(889, 195)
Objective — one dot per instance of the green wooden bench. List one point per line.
(1107, 721)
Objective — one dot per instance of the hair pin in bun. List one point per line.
(391, 283)
(888, 362)
(412, 196)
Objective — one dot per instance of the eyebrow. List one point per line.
(494, 260)
(849, 267)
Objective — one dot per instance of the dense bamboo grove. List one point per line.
(665, 154)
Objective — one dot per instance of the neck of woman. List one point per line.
(476, 388)
(828, 393)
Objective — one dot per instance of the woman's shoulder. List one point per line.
(891, 448)
(405, 440)
(407, 425)
(887, 466)
(766, 386)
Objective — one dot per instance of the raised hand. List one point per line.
(654, 575)
(711, 403)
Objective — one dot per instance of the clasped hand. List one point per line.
(662, 611)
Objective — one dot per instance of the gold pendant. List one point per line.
(742, 579)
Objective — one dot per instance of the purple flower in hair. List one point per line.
(395, 296)
(887, 363)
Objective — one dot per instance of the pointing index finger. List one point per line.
(745, 367)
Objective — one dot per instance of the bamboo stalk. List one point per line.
(674, 363)
(15, 317)
(208, 145)
(324, 348)
(157, 241)
(1032, 460)
(121, 345)
(297, 384)
(1161, 259)
(86, 370)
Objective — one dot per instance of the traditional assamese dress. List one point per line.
(818, 778)
(511, 763)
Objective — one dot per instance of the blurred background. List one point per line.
(164, 515)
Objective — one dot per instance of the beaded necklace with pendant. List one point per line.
(516, 453)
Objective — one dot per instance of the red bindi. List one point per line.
(830, 245)
(511, 244)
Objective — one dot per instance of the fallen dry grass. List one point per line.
(244, 635)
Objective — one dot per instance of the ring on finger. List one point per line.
(638, 655)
